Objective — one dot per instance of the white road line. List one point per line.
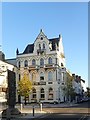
(83, 117)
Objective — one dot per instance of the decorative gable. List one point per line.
(41, 35)
(41, 44)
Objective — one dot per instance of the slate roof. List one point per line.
(30, 47)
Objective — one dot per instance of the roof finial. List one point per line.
(60, 35)
(40, 30)
(17, 51)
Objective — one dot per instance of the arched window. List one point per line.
(62, 64)
(40, 46)
(50, 90)
(42, 93)
(41, 76)
(19, 77)
(50, 76)
(19, 64)
(50, 94)
(43, 45)
(33, 93)
(25, 63)
(49, 60)
(33, 90)
(42, 62)
(33, 62)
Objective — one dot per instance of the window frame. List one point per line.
(41, 62)
(49, 60)
(26, 63)
(33, 62)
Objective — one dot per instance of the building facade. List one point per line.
(78, 86)
(74, 87)
(4, 67)
(44, 61)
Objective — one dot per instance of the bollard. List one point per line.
(41, 106)
(33, 110)
(21, 106)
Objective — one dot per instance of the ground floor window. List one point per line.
(50, 94)
(34, 93)
(42, 93)
(42, 96)
(34, 96)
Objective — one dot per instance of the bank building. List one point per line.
(44, 62)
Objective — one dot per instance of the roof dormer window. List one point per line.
(43, 46)
(39, 46)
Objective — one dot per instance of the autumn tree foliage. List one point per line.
(24, 86)
(69, 87)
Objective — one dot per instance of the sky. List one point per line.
(22, 21)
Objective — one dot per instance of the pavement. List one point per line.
(27, 110)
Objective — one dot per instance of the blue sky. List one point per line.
(21, 23)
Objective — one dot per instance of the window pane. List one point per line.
(42, 96)
(34, 90)
(19, 65)
(34, 95)
(50, 60)
(25, 63)
(33, 62)
(50, 90)
(41, 61)
(43, 46)
(19, 77)
(42, 90)
(41, 76)
(39, 46)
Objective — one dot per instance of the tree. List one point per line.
(88, 92)
(24, 86)
(69, 90)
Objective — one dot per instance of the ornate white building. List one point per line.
(44, 61)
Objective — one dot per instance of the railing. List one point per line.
(41, 50)
(49, 65)
(37, 67)
(63, 69)
(33, 67)
(42, 98)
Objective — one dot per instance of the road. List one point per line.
(80, 112)
(58, 116)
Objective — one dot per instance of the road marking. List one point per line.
(83, 117)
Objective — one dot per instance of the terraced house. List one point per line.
(44, 61)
